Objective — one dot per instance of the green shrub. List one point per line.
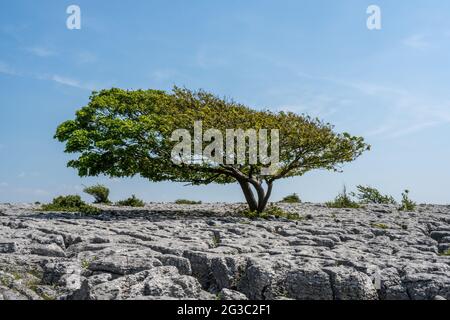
(271, 211)
(292, 198)
(368, 194)
(131, 202)
(445, 253)
(184, 201)
(99, 192)
(343, 200)
(70, 203)
(407, 203)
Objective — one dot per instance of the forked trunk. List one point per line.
(249, 196)
(258, 203)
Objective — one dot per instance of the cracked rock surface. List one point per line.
(168, 251)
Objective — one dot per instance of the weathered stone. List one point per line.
(166, 281)
(169, 251)
(120, 288)
(390, 285)
(123, 263)
(256, 280)
(8, 294)
(227, 271)
(7, 247)
(439, 235)
(50, 250)
(227, 294)
(65, 274)
(201, 267)
(309, 283)
(182, 264)
(349, 284)
(43, 238)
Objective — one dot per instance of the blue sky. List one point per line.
(318, 57)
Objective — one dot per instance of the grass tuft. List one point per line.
(271, 212)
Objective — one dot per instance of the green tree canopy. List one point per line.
(123, 133)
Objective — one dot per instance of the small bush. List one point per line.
(99, 192)
(70, 203)
(407, 203)
(131, 202)
(292, 198)
(271, 211)
(343, 200)
(368, 194)
(445, 253)
(184, 201)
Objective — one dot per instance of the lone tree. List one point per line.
(126, 133)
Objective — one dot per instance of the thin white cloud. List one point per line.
(410, 113)
(413, 129)
(317, 106)
(84, 57)
(24, 174)
(41, 52)
(163, 74)
(363, 87)
(6, 69)
(65, 188)
(416, 41)
(63, 80)
(31, 191)
(67, 81)
(208, 57)
(406, 112)
(4, 184)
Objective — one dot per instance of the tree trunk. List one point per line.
(248, 193)
(263, 202)
(263, 196)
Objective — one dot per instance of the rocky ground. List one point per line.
(167, 251)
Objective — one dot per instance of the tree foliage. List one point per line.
(123, 133)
